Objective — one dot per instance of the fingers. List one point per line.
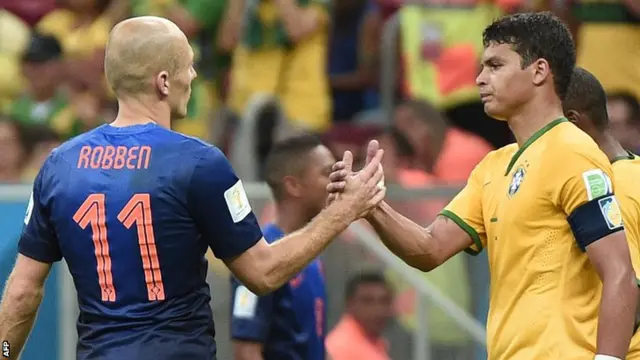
(339, 175)
(347, 159)
(336, 187)
(378, 197)
(372, 167)
(372, 149)
(376, 179)
(338, 166)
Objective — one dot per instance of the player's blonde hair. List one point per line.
(138, 49)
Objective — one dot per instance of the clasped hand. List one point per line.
(364, 188)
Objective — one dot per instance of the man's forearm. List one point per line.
(408, 240)
(617, 316)
(247, 350)
(17, 314)
(231, 26)
(293, 252)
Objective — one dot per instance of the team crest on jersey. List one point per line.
(516, 181)
(611, 211)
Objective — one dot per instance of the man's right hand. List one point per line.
(361, 191)
(343, 168)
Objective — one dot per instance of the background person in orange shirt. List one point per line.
(445, 151)
(358, 334)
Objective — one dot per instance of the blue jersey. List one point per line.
(290, 322)
(133, 210)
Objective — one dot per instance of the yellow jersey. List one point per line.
(626, 172)
(545, 294)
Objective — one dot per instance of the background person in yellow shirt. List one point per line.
(282, 51)
(82, 28)
(608, 40)
(586, 106)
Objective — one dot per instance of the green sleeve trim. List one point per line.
(468, 229)
(638, 282)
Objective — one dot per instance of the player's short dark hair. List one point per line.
(288, 157)
(364, 278)
(587, 96)
(631, 101)
(537, 36)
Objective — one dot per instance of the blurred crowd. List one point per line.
(346, 69)
(349, 70)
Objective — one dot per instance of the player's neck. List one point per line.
(288, 217)
(534, 116)
(134, 111)
(610, 146)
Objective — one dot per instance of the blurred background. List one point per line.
(348, 70)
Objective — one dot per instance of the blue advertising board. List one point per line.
(44, 341)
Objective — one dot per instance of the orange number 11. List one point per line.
(137, 210)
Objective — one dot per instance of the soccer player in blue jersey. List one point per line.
(288, 324)
(132, 208)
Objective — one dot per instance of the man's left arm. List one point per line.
(38, 250)
(595, 218)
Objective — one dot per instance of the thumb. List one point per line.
(347, 159)
(372, 149)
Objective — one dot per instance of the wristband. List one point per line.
(605, 357)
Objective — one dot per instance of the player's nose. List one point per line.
(481, 79)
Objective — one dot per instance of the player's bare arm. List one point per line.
(422, 248)
(22, 297)
(266, 267)
(611, 259)
(247, 350)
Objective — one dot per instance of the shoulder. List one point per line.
(570, 149)
(192, 144)
(625, 176)
(569, 140)
(497, 160)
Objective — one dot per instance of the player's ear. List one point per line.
(162, 83)
(291, 186)
(541, 71)
(573, 116)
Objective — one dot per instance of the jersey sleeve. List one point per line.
(220, 207)
(250, 314)
(584, 192)
(466, 210)
(38, 240)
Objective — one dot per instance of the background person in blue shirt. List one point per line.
(288, 324)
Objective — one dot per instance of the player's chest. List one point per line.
(515, 197)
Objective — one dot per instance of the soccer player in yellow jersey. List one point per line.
(562, 283)
(586, 106)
